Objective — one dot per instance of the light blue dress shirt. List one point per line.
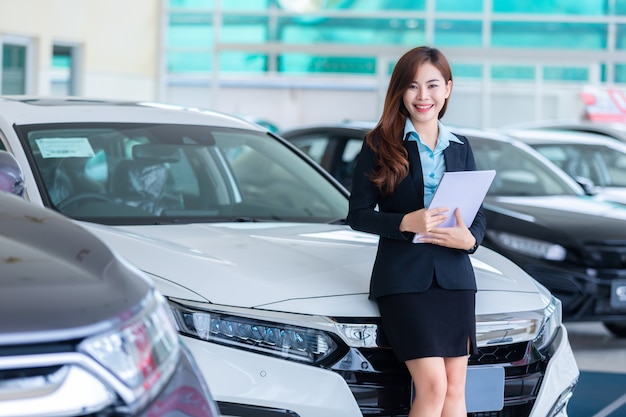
(433, 163)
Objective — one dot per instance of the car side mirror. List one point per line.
(11, 175)
(587, 185)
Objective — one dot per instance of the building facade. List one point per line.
(298, 62)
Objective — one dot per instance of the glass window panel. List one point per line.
(303, 63)
(360, 5)
(620, 73)
(459, 6)
(13, 69)
(577, 7)
(192, 4)
(353, 31)
(458, 32)
(549, 35)
(245, 4)
(243, 62)
(190, 35)
(61, 71)
(620, 7)
(190, 30)
(512, 72)
(466, 71)
(620, 37)
(244, 29)
(566, 74)
(189, 62)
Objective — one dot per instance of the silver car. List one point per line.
(83, 333)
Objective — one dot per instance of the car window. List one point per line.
(127, 174)
(604, 166)
(319, 147)
(348, 161)
(517, 172)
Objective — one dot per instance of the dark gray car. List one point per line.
(82, 333)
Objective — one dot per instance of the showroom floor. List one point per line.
(601, 390)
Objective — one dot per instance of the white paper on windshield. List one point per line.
(464, 190)
(65, 147)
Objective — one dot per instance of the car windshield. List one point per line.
(518, 173)
(605, 166)
(159, 173)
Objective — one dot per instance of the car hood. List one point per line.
(306, 268)
(563, 218)
(611, 194)
(58, 282)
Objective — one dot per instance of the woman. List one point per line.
(425, 291)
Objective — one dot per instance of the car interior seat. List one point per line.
(142, 181)
(68, 180)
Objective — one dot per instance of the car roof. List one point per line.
(547, 136)
(24, 110)
(364, 126)
(608, 129)
(333, 127)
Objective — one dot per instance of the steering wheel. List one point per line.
(81, 199)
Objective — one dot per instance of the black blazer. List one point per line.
(402, 266)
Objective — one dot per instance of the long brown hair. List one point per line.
(386, 138)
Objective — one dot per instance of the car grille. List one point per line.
(605, 256)
(43, 384)
(584, 297)
(384, 388)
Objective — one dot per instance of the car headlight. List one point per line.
(552, 320)
(540, 326)
(141, 351)
(286, 341)
(528, 246)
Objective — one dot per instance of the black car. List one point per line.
(537, 216)
(83, 333)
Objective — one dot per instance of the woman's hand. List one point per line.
(422, 221)
(457, 236)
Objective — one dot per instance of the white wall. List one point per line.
(118, 41)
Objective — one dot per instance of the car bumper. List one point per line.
(559, 381)
(586, 294)
(185, 395)
(248, 384)
(51, 382)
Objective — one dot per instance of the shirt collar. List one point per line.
(445, 136)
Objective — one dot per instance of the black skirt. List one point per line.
(433, 323)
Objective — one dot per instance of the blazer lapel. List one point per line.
(454, 156)
(415, 167)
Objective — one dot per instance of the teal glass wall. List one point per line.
(549, 35)
(458, 33)
(475, 6)
(251, 33)
(562, 7)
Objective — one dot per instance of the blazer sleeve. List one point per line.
(363, 213)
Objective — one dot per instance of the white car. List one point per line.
(245, 236)
(595, 161)
(612, 130)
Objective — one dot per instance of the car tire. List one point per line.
(617, 328)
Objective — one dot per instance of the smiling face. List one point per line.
(427, 94)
